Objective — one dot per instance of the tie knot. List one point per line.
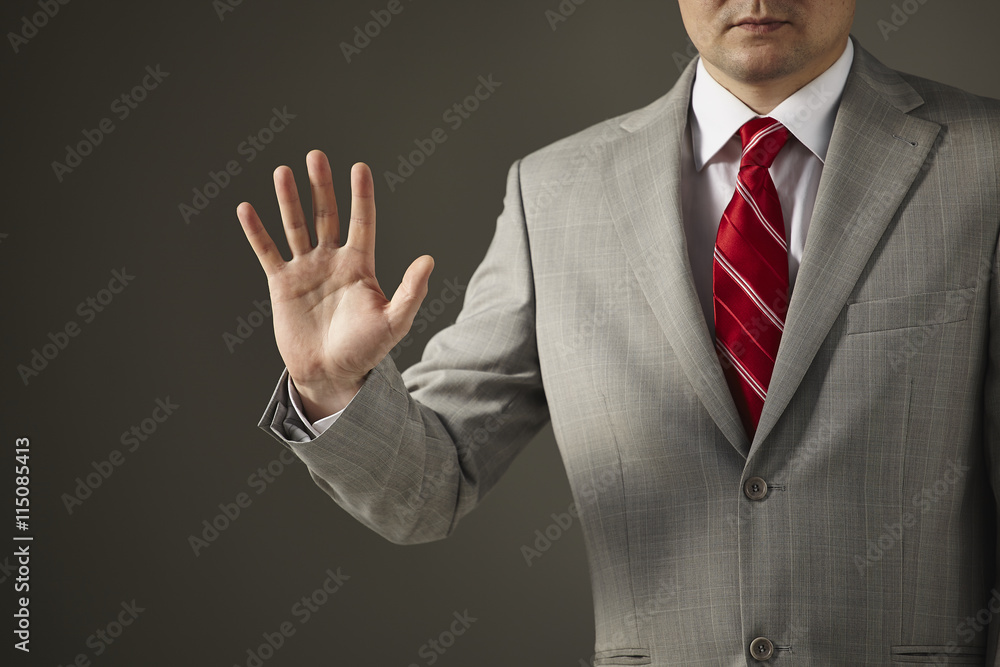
(762, 139)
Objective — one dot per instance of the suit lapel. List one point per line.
(875, 155)
(644, 197)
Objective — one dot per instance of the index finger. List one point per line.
(267, 253)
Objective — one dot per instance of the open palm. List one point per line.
(332, 322)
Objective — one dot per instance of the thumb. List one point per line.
(409, 295)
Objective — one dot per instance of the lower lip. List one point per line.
(761, 28)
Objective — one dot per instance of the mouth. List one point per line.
(759, 26)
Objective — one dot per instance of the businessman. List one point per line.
(762, 314)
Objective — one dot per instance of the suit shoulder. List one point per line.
(568, 150)
(585, 147)
(953, 106)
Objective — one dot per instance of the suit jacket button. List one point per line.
(761, 648)
(755, 488)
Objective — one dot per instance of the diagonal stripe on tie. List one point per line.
(749, 343)
(749, 292)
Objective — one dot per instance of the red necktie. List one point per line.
(750, 273)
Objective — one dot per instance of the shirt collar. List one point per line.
(809, 113)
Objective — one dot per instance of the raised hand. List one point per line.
(332, 322)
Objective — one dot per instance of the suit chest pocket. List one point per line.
(912, 310)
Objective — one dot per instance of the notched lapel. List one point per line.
(643, 194)
(876, 153)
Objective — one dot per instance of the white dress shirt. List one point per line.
(711, 160)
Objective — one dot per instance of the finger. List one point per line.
(324, 200)
(267, 253)
(409, 295)
(361, 233)
(292, 218)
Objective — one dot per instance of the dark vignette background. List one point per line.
(162, 337)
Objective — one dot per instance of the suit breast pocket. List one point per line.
(912, 310)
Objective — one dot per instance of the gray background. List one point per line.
(162, 336)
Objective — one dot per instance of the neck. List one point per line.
(764, 96)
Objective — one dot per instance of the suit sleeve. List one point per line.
(414, 452)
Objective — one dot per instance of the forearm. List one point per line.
(395, 465)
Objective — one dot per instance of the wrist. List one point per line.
(323, 399)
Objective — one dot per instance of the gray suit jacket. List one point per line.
(858, 527)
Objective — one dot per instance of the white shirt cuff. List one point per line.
(319, 426)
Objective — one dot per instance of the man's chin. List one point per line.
(760, 64)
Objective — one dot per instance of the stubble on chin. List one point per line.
(759, 64)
